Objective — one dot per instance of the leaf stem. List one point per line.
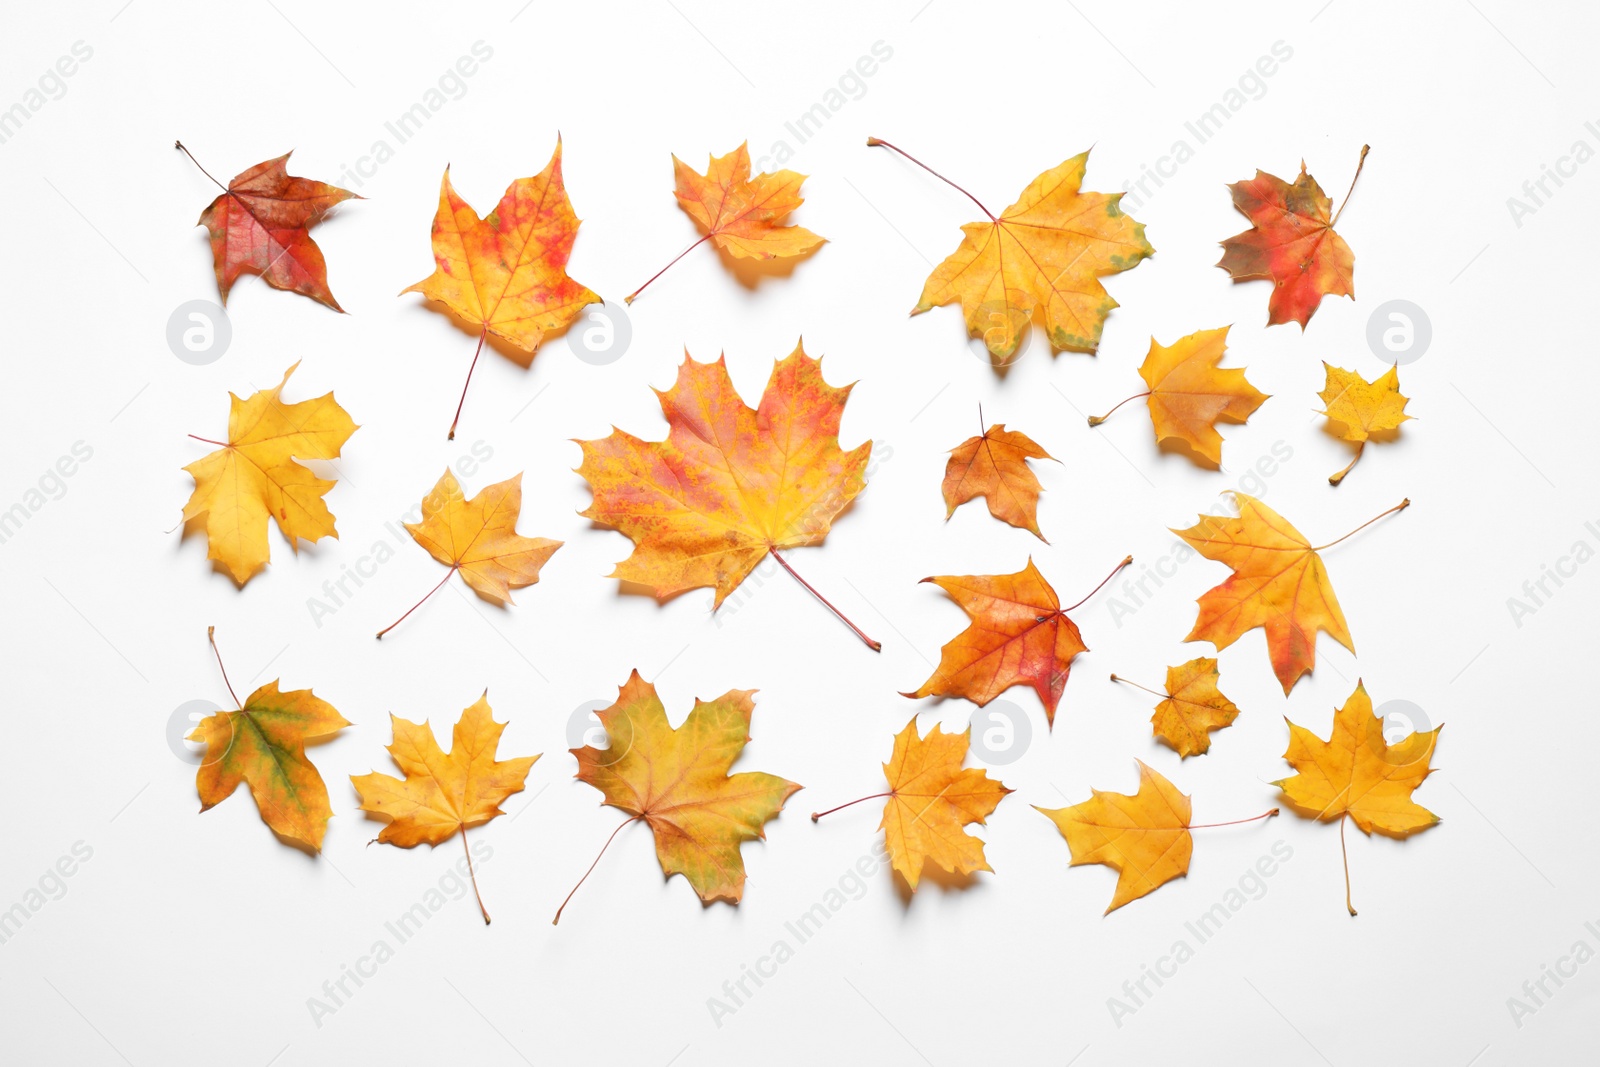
(209, 441)
(1335, 479)
(211, 635)
(1345, 855)
(873, 142)
(1235, 822)
(629, 298)
(876, 646)
(819, 814)
(419, 603)
(1359, 164)
(473, 875)
(592, 866)
(1126, 560)
(1146, 688)
(1406, 503)
(179, 146)
(459, 404)
(1096, 420)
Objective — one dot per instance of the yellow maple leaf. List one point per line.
(677, 781)
(478, 538)
(506, 273)
(995, 467)
(263, 744)
(443, 794)
(254, 475)
(1357, 773)
(1191, 707)
(1189, 392)
(1360, 408)
(931, 799)
(1279, 583)
(1143, 837)
(1049, 250)
(740, 215)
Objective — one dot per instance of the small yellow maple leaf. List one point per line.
(1360, 408)
(1357, 773)
(1189, 392)
(443, 794)
(1191, 707)
(254, 475)
(479, 539)
(931, 799)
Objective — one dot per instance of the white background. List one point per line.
(199, 939)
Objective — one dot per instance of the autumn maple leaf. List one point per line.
(478, 538)
(932, 798)
(1191, 707)
(677, 781)
(506, 273)
(1279, 583)
(1048, 250)
(1357, 773)
(995, 467)
(1291, 242)
(443, 794)
(259, 226)
(1359, 408)
(730, 483)
(1189, 392)
(1143, 837)
(1019, 635)
(740, 215)
(254, 475)
(263, 744)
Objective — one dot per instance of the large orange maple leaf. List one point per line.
(730, 483)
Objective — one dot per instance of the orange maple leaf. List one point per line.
(1049, 250)
(443, 794)
(995, 467)
(254, 475)
(1279, 583)
(263, 744)
(1143, 837)
(1019, 635)
(506, 273)
(1191, 707)
(740, 214)
(1291, 242)
(730, 483)
(479, 538)
(1189, 392)
(1357, 773)
(677, 781)
(931, 799)
(259, 226)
